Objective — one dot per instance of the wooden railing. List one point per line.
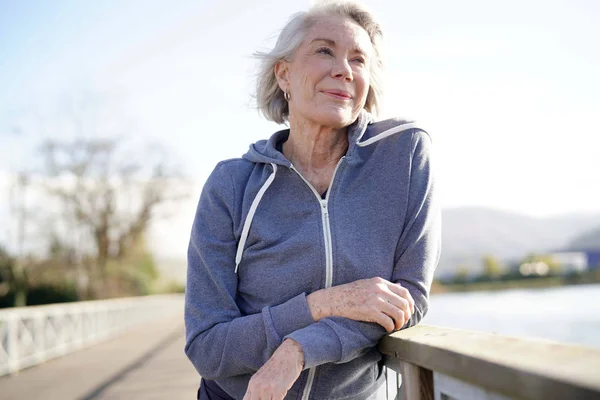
(31, 335)
(450, 364)
(423, 362)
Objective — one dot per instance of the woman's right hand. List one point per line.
(369, 300)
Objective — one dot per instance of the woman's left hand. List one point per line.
(273, 380)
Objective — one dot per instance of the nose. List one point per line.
(342, 70)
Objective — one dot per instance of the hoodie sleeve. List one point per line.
(340, 340)
(220, 340)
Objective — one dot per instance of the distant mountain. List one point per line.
(589, 240)
(470, 233)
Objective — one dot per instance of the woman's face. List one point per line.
(328, 79)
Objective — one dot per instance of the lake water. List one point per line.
(566, 314)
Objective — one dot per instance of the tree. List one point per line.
(462, 274)
(14, 270)
(98, 195)
(492, 268)
(6, 267)
(107, 196)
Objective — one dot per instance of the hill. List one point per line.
(470, 233)
(589, 240)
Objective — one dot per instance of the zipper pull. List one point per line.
(324, 206)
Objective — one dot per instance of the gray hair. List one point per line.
(270, 98)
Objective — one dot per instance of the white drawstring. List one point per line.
(263, 189)
(250, 216)
(384, 134)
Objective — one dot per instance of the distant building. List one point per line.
(564, 262)
(570, 261)
(593, 258)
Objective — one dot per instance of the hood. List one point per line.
(265, 151)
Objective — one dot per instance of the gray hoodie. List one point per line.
(263, 238)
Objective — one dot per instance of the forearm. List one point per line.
(339, 339)
(369, 300)
(336, 340)
(319, 304)
(236, 344)
(274, 379)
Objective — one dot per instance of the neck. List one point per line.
(312, 147)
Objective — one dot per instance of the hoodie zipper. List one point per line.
(328, 252)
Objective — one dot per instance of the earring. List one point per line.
(286, 96)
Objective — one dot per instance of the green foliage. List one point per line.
(47, 294)
(44, 294)
(462, 274)
(8, 300)
(144, 273)
(147, 267)
(168, 287)
(132, 276)
(6, 264)
(492, 268)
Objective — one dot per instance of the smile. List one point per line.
(338, 94)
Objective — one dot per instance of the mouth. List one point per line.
(338, 94)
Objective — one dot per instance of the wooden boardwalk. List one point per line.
(146, 363)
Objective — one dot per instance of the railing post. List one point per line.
(13, 343)
(417, 382)
(79, 329)
(392, 389)
(39, 337)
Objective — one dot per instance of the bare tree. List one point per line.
(101, 195)
(109, 194)
(14, 270)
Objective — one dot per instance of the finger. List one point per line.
(404, 293)
(254, 393)
(271, 393)
(248, 395)
(398, 302)
(402, 315)
(261, 394)
(398, 315)
(385, 321)
(279, 396)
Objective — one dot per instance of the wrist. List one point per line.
(291, 350)
(318, 305)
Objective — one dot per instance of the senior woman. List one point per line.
(320, 240)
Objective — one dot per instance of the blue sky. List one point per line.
(509, 90)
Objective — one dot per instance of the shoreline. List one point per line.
(588, 277)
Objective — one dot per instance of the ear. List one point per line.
(282, 73)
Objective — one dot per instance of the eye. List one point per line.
(359, 60)
(325, 50)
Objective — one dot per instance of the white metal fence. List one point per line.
(31, 335)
